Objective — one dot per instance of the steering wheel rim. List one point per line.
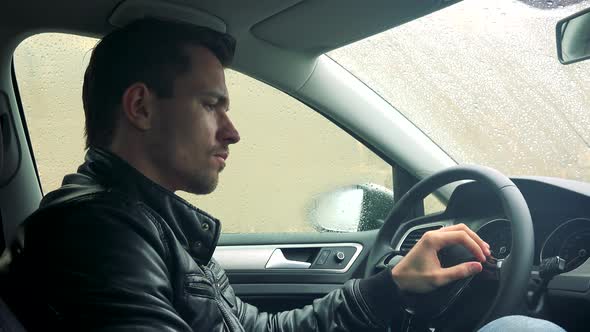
(517, 265)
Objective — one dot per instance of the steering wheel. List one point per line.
(512, 273)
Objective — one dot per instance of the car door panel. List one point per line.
(245, 257)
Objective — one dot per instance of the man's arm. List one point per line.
(98, 272)
(375, 302)
(361, 305)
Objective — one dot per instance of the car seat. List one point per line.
(8, 321)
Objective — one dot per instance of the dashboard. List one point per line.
(569, 241)
(560, 210)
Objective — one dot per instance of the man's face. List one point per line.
(191, 132)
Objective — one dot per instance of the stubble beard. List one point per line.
(203, 184)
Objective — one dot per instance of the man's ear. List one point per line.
(137, 105)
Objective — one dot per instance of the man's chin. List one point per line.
(203, 186)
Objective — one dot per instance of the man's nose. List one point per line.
(228, 133)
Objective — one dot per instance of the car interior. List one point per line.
(538, 226)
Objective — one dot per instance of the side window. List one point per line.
(293, 170)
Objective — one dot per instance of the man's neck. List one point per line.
(136, 157)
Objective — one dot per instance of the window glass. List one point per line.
(291, 166)
(482, 80)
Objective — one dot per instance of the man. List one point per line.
(119, 251)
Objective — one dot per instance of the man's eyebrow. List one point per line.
(214, 94)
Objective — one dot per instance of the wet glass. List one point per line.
(482, 79)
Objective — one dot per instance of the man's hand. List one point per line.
(420, 271)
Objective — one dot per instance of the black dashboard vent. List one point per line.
(415, 235)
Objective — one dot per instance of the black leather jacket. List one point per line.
(113, 251)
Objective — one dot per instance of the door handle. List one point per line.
(278, 261)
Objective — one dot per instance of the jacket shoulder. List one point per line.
(75, 214)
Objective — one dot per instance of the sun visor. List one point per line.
(317, 26)
(131, 10)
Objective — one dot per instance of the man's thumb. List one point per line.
(460, 271)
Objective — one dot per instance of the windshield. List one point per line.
(482, 80)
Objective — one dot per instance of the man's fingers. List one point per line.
(471, 233)
(462, 227)
(440, 240)
(457, 272)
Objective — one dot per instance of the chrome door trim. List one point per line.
(256, 257)
(279, 261)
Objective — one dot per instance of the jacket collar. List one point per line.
(196, 230)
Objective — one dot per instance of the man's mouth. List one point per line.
(222, 155)
(221, 158)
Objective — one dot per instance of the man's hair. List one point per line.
(150, 51)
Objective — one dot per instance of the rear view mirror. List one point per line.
(573, 37)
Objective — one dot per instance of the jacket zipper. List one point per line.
(222, 284)
(222, 307)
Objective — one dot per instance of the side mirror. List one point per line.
(573, 37)
(352, 208)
